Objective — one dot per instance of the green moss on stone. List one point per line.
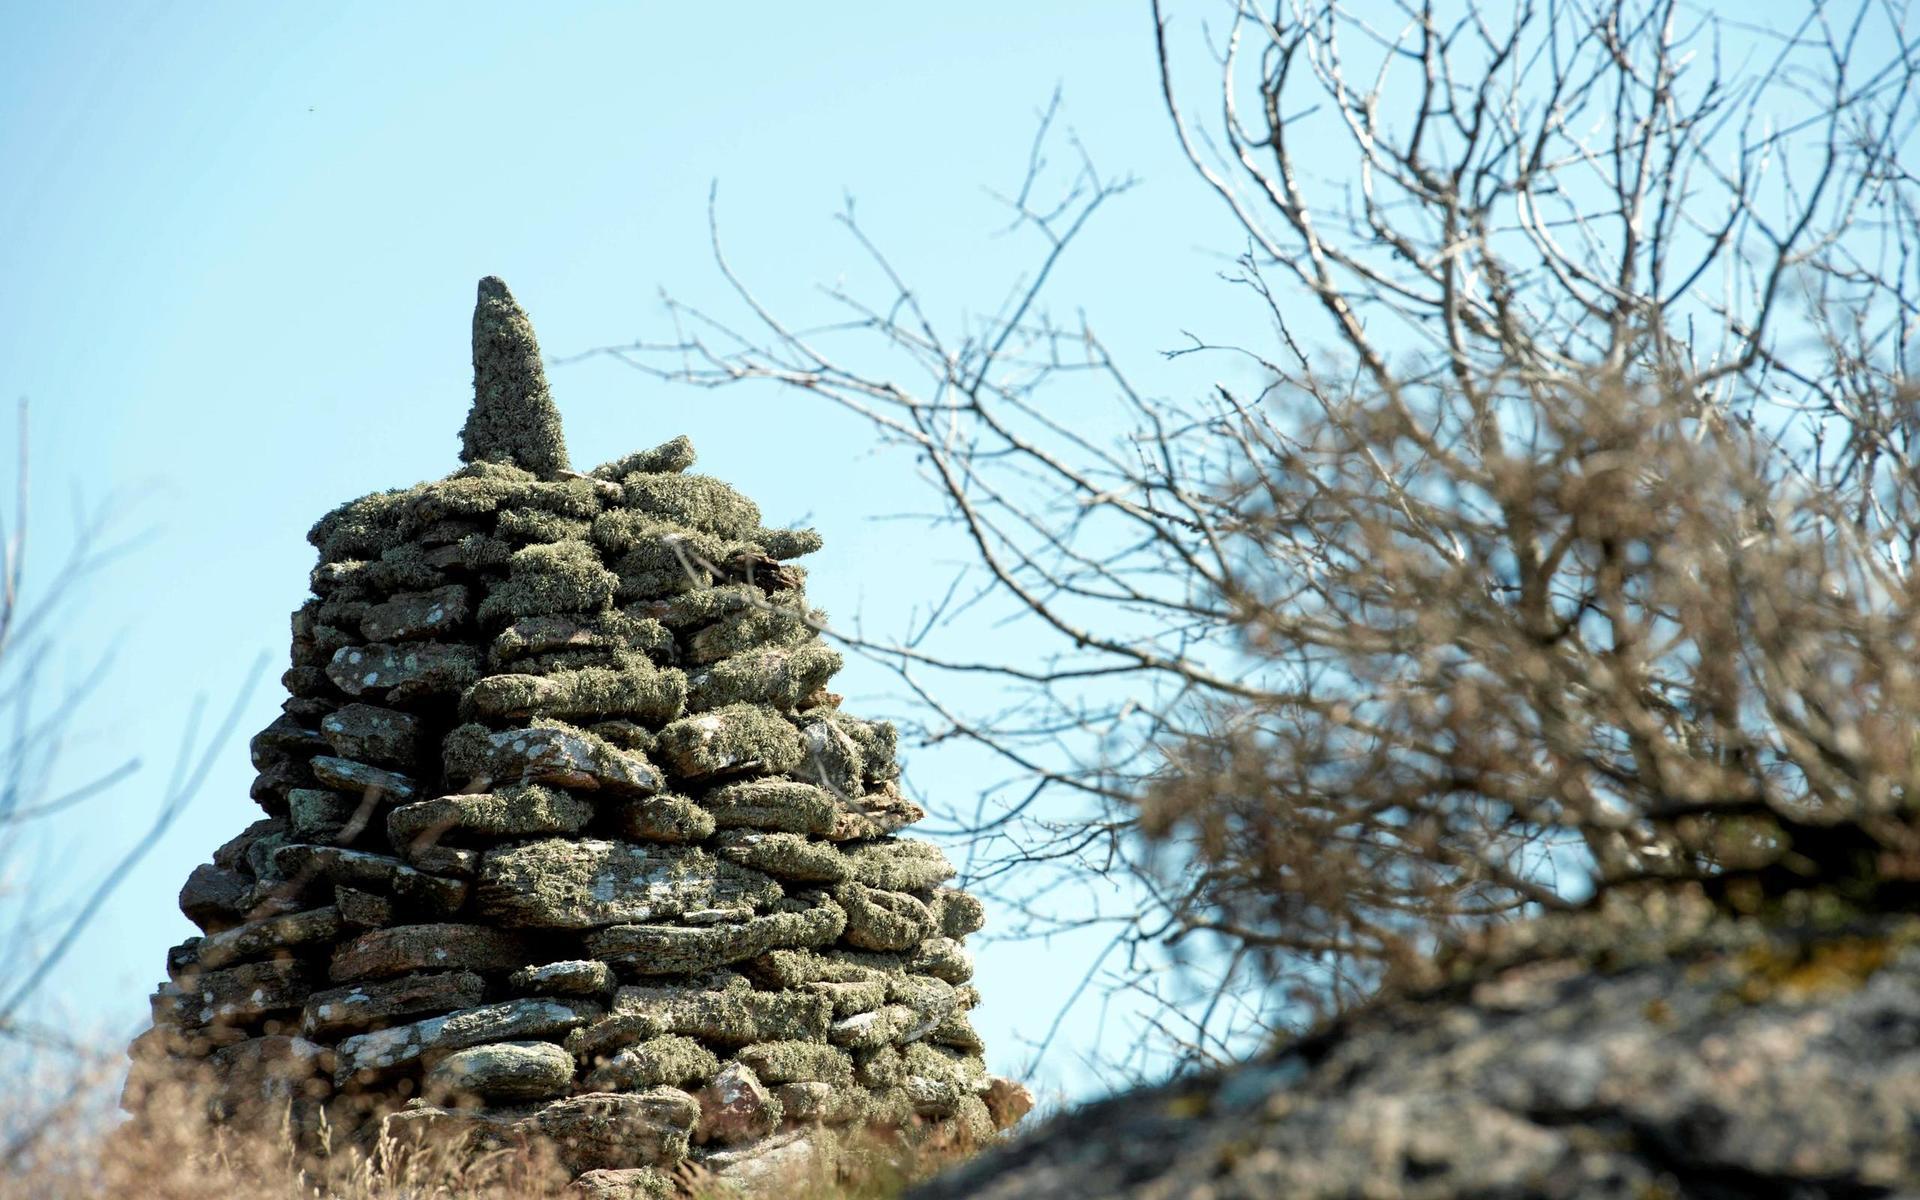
(638, 690)
(730, 741)
(696, 501)
(513, 419)
(770, 624)
(797, 1062)
(897, 865)
(881, 920)
(787, 543)
(605, 632)
(517, 810)
(526, 526)
(669, 1059)
(562, 577)
(663, 818)
(785, 856)
(776, 805)
(779, 678)
(669, 457)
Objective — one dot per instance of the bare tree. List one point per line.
(42, 711)
(1564, 542)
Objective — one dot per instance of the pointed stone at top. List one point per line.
(513, 418)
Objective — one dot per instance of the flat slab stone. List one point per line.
(361, 1006)
(431, 894)
(670, 1059)
(384, 736)
(565, 884)
(215, 898)
(797, 1062)
(232, 995)
(773, 805)
(681, 950)
(254, 939)
(411, 615)
(878, 920)
(627, 1183)
(743, 739)
(573, 977)
(785, 856)
(404, 948)
(560, 756)
(899, 865)
(611, 1130)
(517, 811)
(403, 671)
(503, 1071)
(512, 1020)
(346, 775)
(662, 818)
(729, 1016)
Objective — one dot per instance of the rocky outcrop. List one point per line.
(1656, 1048)
(567, 843)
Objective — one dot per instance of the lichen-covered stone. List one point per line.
(557, 577)
(382, 736)
(779, 678)
(254, 940)
(730, 741)
(636, 690)
(412, 615)
(680, 950)
(551, 753)
(670, 1059)
(897, 865)
(513, 811)
(572, 977)
(773, 805)
(503, 1071)
(511, 1020)
(514, 420)
(663, 818)
(232, 995)
(732, 1016)
(626, 1183)
(610, 632)
(669, 457)
(789, 1062)
(759, 623)
(564, 884)
(359, 1006)
(345, 775)
(322, 814)
(610, 1130)
(430, 895)
(956, 914)
(785, 856)
(878, 920)
(364, 910)
(403, 948)
(403, 671)
(696, 501)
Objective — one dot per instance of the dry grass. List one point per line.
(62, 1138)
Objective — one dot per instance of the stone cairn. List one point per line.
(568, 844)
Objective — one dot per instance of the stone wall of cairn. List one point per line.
(567, 843)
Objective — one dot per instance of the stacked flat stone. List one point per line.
(567, 843)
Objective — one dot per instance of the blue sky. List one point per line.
(241, 247)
